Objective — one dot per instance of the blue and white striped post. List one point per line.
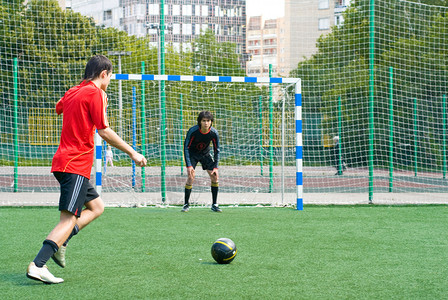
(299, 144)
(298, 107)
(134, 131)
(98, 162)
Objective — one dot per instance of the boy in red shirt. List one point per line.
(84, 109)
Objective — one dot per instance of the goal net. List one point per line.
(375, 91)
(255, 119)
(374, 86)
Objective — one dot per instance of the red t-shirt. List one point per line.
(84, 108)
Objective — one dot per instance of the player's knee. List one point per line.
(100, 209)
(97, 206)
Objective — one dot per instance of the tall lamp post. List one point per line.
(120, 90)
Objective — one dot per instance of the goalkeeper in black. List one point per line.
(197, 149)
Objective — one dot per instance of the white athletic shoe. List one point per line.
(59, 257)
(41, 274)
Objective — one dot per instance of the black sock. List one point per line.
(48, 249)
(74, 232)
(188, 189)
(215, 192)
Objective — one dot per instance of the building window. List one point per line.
(186, 10)
(324, 23)
(176, 10)
(269, 51)
(186, 29)
(218, 30)
(153, 9)
(197, 10)
(176, 28)
(338, 20)
(324, 4)
(107, 15)
(204, 10)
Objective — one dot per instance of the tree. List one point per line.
(404, 38)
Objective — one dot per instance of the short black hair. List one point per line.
(95, 66)
(205, 114)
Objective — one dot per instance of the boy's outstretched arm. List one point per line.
(114, 140)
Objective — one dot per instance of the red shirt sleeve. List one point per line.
(59, 106)
(98, 107)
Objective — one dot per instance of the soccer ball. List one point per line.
(223, 250)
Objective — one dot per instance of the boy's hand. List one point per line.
(139, 159)
(190, 172)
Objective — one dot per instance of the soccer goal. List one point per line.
(259, 125)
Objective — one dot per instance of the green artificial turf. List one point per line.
(322, 252)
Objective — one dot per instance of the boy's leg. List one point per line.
(37, 269)
(187, 191)
(189, 184)
(214, 189)
(59, 255)
(56, 237)
(93, 210)
(214, 185)
(86, 196)
(94, 207)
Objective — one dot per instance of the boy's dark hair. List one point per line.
(95, 66)
(205, 115)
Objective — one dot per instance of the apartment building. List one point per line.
(305, 21)
(186, 19)
(263, 44)
(104, 12)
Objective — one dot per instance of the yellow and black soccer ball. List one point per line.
(224, 250)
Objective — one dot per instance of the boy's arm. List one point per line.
(114, 140)
(186, 149)
(59, 106)
(216, 150)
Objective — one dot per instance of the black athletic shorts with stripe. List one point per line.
(76, 191)
(205, 160)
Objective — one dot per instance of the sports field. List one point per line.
(322, 252)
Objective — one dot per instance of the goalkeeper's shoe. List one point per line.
(185, 208)
(216, 208)
(41, 274)
(59, 256)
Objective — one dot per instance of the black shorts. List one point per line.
(205, 160)
(76, 191)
